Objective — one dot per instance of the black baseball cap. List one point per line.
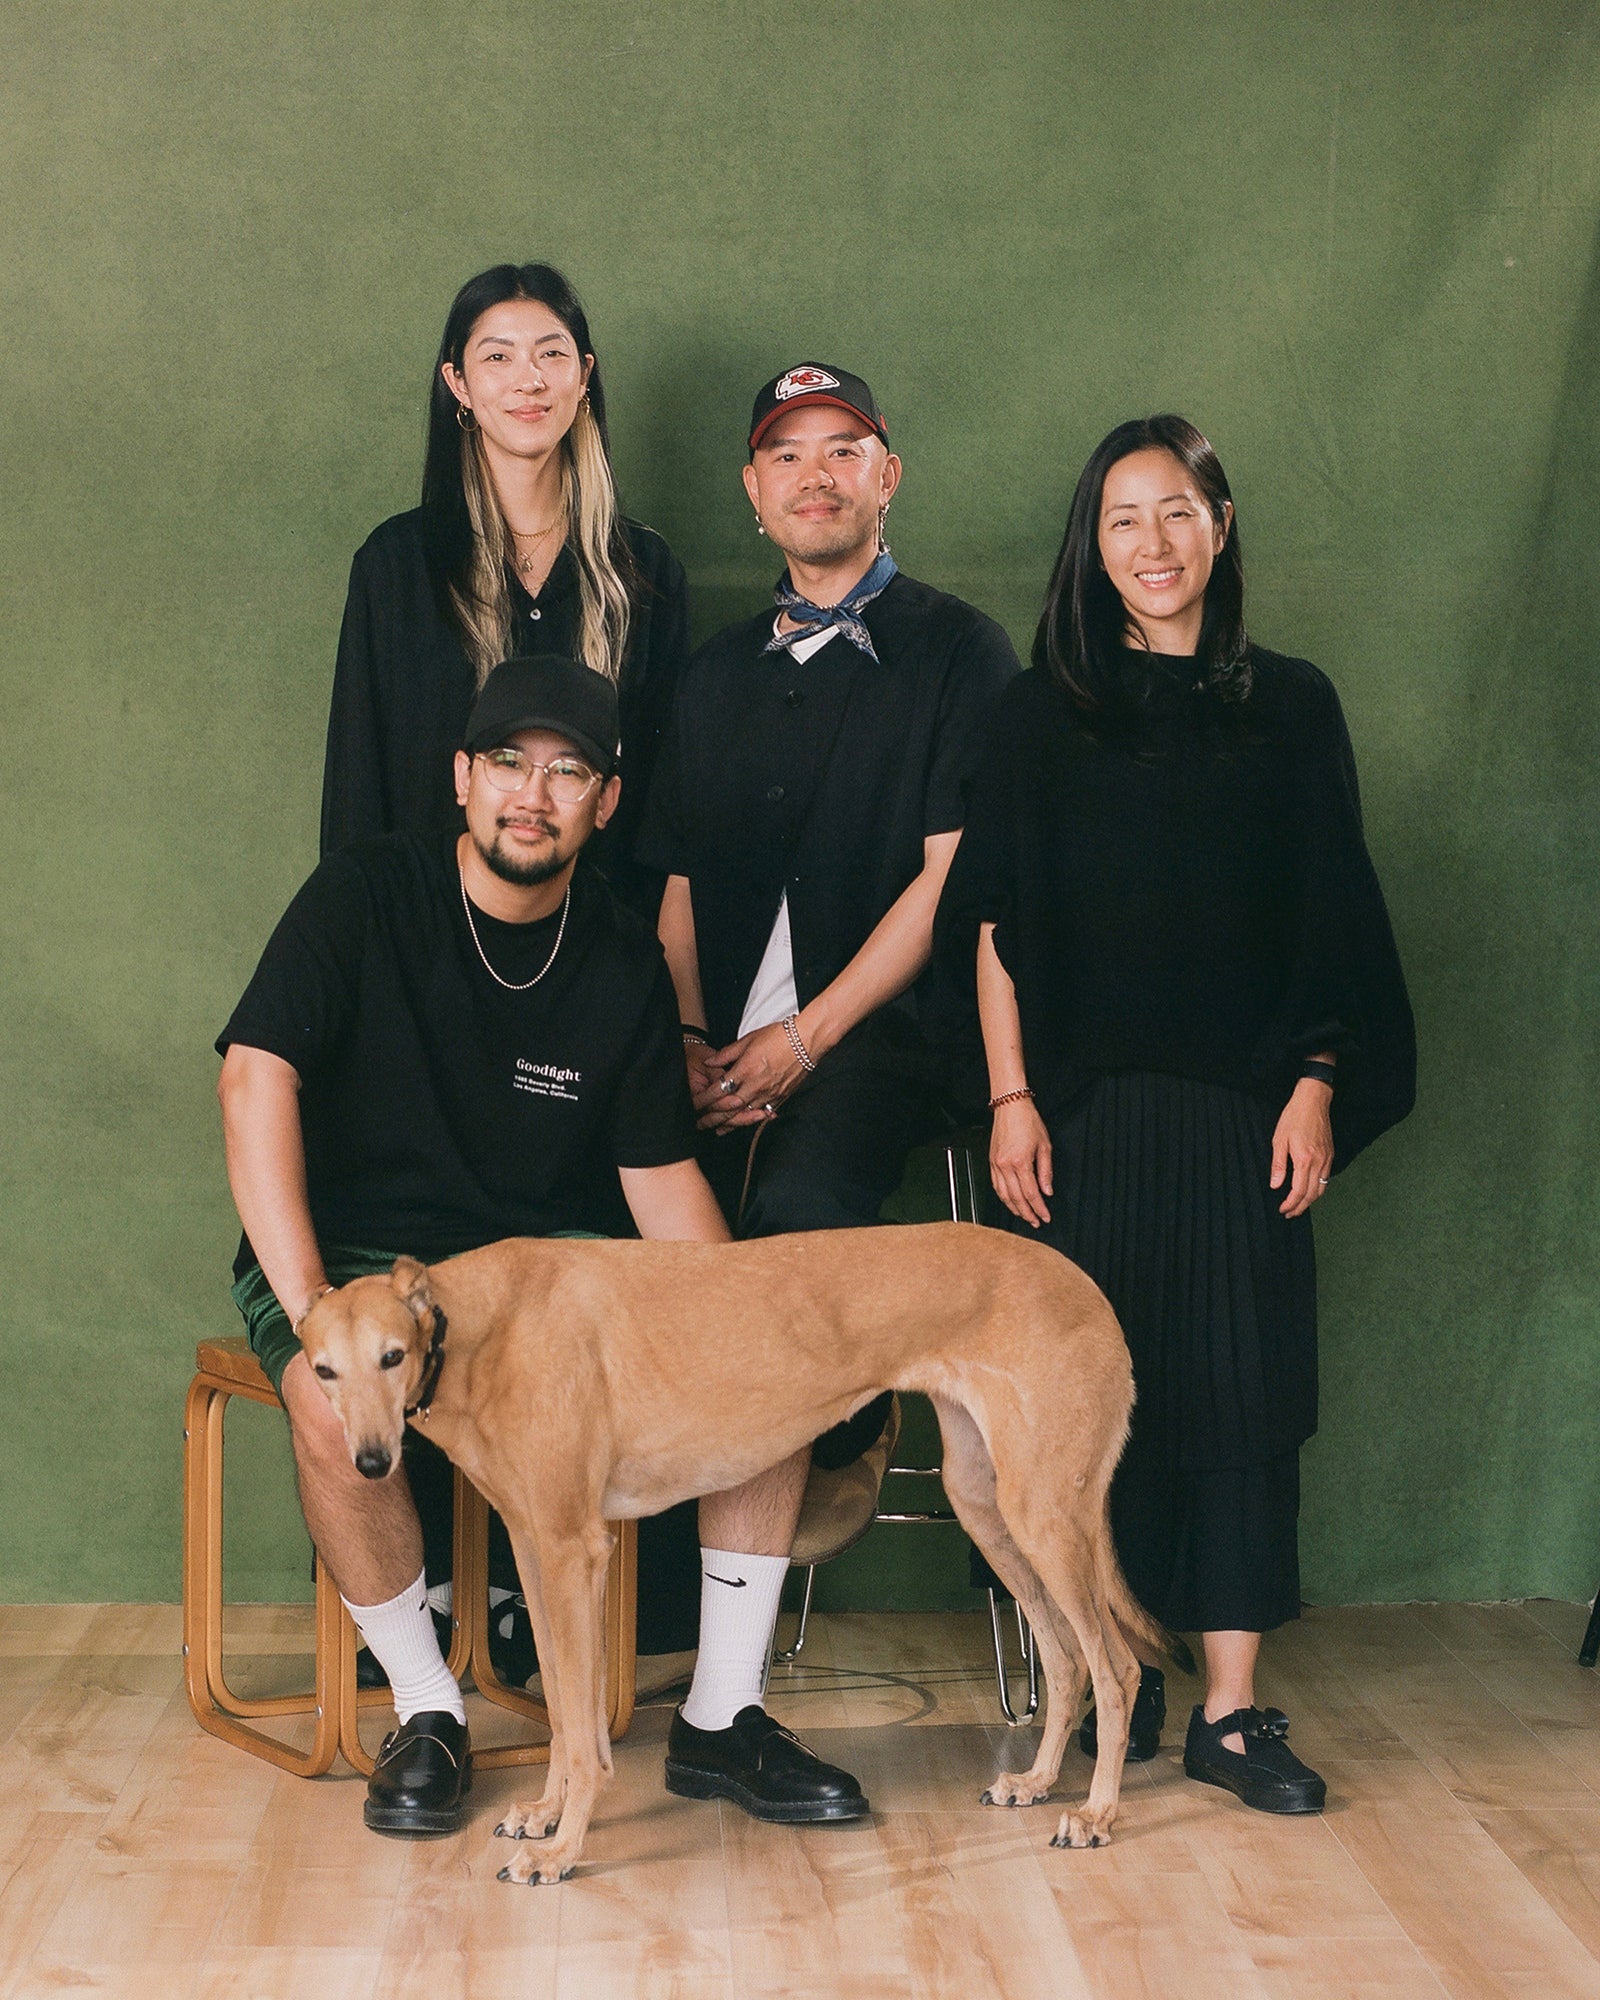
(811, 382)
(547, 691)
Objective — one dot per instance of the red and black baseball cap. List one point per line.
(810, 382)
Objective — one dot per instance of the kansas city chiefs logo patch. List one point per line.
(801, 381)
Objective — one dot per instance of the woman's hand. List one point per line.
(1302, 1146)
(1019, 1161)
(748, 1080)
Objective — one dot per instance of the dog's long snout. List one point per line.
(373, 1462)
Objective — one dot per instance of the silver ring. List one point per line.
(1322, 1180)
(726, 1085)
(769, 1108)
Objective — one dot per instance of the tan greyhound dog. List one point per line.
(580, 1382)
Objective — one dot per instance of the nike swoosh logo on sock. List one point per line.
(733, 1582)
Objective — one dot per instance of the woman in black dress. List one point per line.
(518, 547)
(1193, 1015)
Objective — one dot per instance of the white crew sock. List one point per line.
(401, 1638)
(738, 1609)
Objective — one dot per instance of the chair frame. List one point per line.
(226, 1368)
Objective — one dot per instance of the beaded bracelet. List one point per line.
(696, 1035)
(1009, 1097)
(791, 1027)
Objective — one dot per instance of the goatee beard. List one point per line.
(521, 874)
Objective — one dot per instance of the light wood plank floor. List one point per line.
(1460, 1854)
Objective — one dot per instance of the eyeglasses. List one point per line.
(569, 779)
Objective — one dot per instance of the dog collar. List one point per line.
(432, 1366)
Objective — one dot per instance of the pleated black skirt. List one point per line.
(1162, 1196)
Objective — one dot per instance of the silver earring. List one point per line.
(760, 529)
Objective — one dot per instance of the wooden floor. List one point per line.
(1460, 1853)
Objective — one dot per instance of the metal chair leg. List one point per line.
(792, 1653)
(1030, 1659)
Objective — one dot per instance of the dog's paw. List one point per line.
(1011, 1790)
(533, 1822)
(529, 1871)
(1083, 1829)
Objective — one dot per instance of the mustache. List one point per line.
(537, 824)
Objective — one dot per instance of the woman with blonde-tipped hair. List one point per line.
(518, 547)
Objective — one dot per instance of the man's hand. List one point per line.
(1302, 1146)
(700, 1059)
(748, 1080)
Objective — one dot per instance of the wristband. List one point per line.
(1319, 1072)
(791, 1027)
(1009, 1097)
(696, 1035)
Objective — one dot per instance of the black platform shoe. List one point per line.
(1266, 1774)
(1144, 1725)
(422, 1777)
(758, 1764)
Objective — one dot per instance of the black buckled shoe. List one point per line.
(758, 1764)
(1144, 1725)
(1266, 1774)
(422, 1777)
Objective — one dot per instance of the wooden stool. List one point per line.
(226, 1368)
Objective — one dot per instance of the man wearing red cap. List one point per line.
(806, 807)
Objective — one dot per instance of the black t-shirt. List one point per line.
(439, 1110)
(819, 779)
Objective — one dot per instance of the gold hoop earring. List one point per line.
(465, 417)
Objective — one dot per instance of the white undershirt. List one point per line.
(772, 992)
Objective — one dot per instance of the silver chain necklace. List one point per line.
(510, 985)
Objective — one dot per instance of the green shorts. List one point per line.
(272, 1338)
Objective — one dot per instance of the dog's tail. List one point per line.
(1152, 1643)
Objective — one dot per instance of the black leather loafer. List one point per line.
(758, 1764)
(423, 1775)
(1266, 1774)
(1144, 1725)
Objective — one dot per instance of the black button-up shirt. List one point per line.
(819, 779)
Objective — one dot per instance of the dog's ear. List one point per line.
(410, 1281)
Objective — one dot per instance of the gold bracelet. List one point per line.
(1009, 1097)
(321, 1292)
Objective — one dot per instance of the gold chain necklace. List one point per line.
(525, 562)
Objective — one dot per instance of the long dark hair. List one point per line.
(466, 537)
(1082, 631)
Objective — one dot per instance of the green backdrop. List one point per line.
(1356, 242)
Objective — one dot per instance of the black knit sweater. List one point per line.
(1188, 892)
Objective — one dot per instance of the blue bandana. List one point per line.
(814, 618)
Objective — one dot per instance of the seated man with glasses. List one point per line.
(448, 1041)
